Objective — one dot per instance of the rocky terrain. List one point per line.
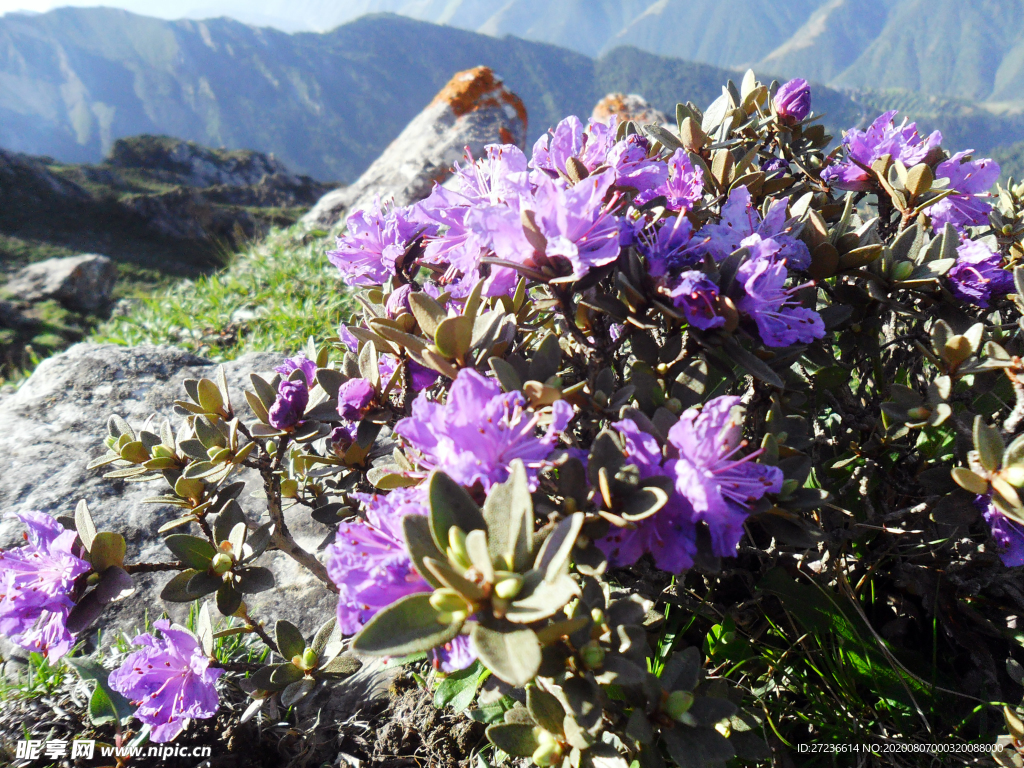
(156, 209)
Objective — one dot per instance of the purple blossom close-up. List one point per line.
(978, 275)
(780, 319)
(696, 294)
(709, 474)
(479, 431)
(368, 561)
(35, 586)
(354, 397)
(290, 405)
(741, 220)
(883, 137)
(972, 179)
(170, 679)
(299, 363)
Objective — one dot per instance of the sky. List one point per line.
(261, 12)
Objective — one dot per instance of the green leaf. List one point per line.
(459, 688)
(108, 549)
(406, 626)
(229, 600)
(176, 590)
(547, 711)
(204, 629)
(450, 505)
(546, 360)
(517, 739)
(541, 600)
(420, 543)
(989, 444)
(84, 525)
(111, 704)
(508, 511)
(454, 336)
(191, 550)
(514, 656)
(553, 557)
(255, 579)
(289, 639)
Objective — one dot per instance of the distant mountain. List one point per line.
(326, 104)
(970, 49)
(74, 80)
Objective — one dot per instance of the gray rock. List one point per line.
(475, 109)
(54, 425)
(83, 282)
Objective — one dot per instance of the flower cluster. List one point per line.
(637, 346)
(36, 582)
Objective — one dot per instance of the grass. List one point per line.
(272, 296)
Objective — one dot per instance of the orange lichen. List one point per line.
(479, 88)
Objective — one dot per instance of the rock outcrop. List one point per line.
(84, 283)
(475, 109)
(54, 425)
(627, 107)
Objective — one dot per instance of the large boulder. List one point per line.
(83, 282)
(629, 106)
(54, 425)
(475, 109)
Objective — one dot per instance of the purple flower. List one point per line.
(367, 253)
(740, 220)
(422, 377)
(291, 402)
(499, 178)
(971, 179)
(695, 294)
(781, 321)
(476, 435)
(398, 301)
(353, 398)
(682, 187)
(299, 363)
(170, 679)
(883, 137)
(577, 226)
(1008, 534)
(628, 158)
(669, 535)
(455, 655)
(978, 275)
(368, 561)
(718, 486)
(670, 248)
(773, 164)
(793, 101)
(570, 139)
(35, 585)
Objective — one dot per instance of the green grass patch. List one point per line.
(272, 296)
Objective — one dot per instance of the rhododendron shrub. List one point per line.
(587, 383)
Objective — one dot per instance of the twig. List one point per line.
(282, 538)
(154, 567)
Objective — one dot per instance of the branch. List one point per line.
(154, 567)
(282, 538)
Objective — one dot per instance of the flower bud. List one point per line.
(221, 563)
(902, 270)
(677, 704)
(447, 600)
(450, 617)
(592, 654)
(549, 750)
(920, 413)
(291, 402)
(793, 101)
(309, 659)
(547, 754)
(508, 585)
(1014, 476)
(457, 546)
(597, 615)
(398, 301)
(354, 397)
(674, 405)
(162, 452)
